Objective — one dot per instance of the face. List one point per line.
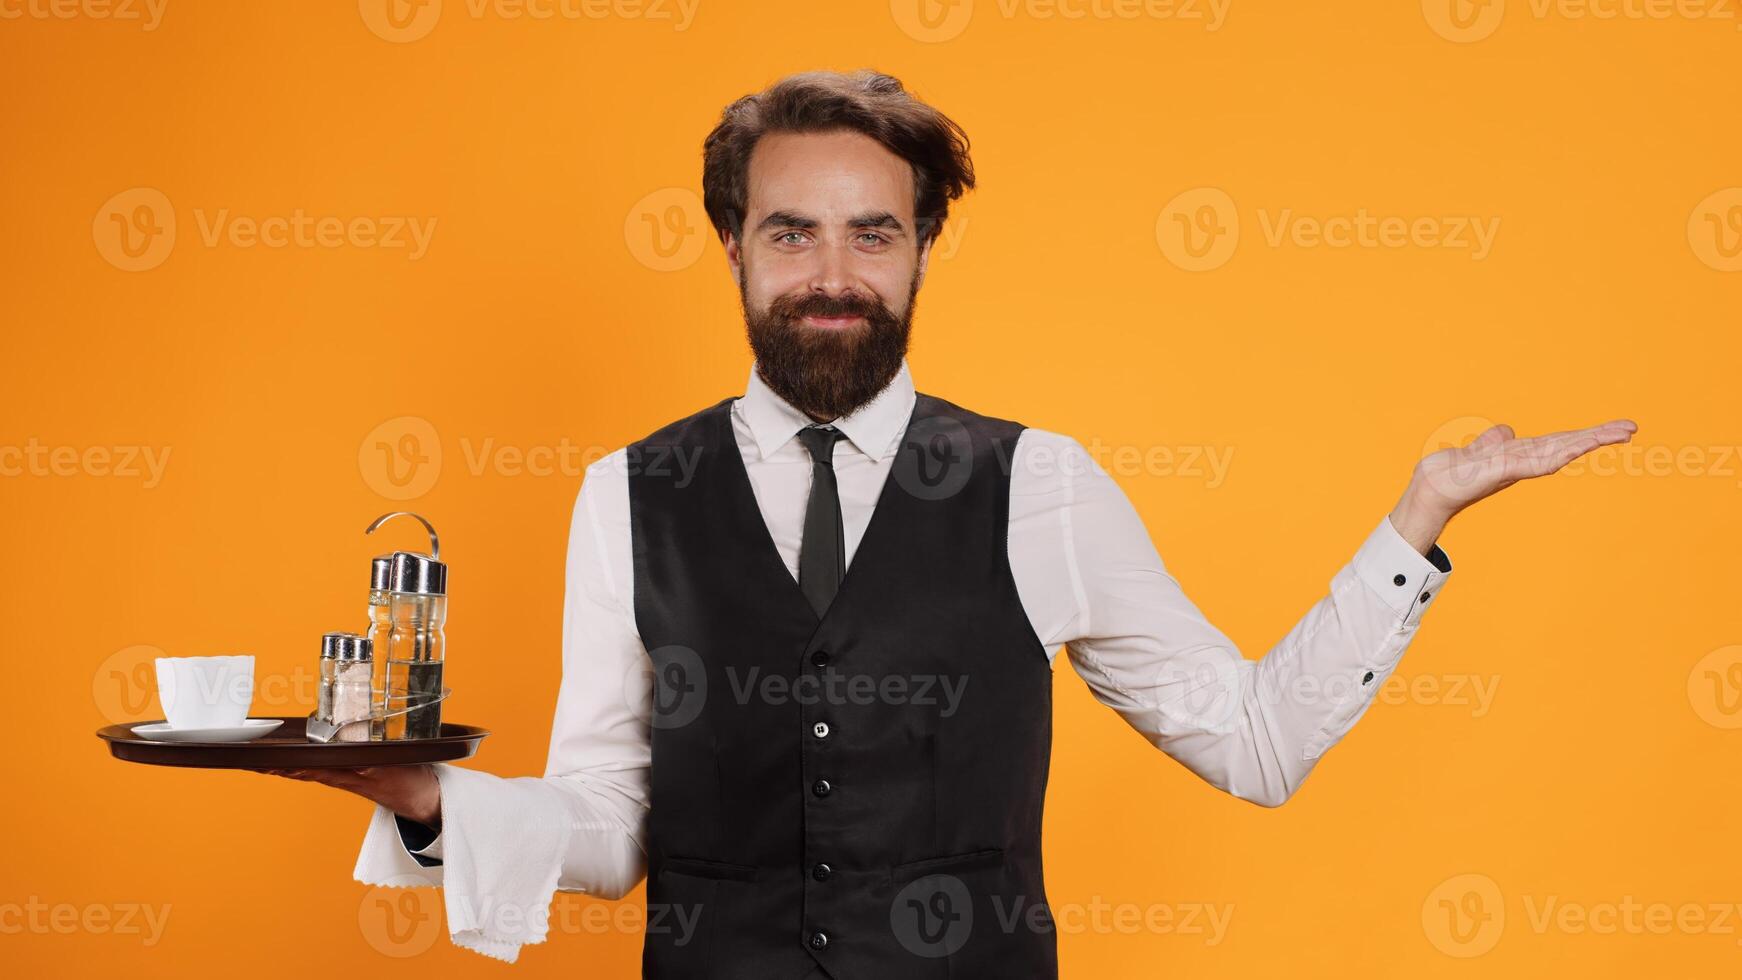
(828, 267)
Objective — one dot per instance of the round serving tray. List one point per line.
(287, 747)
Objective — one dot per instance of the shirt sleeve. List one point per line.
(595, 785)
(1091, 579)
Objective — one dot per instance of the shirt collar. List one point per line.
(872, 428)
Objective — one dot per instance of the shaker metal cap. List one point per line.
(418, 574)
(380, 573)
(411, 571)
(346, 646)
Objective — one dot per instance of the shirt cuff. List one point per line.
(1403, 577)
(423, 843)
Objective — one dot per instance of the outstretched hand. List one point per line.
(1446, 482)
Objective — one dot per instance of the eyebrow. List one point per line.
(792, 219)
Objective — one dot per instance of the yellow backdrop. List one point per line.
(1260, 256)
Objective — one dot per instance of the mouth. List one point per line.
(832, 322)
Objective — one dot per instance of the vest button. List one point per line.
(821, 787)
(821, 872)
(819, 939)
(820, 658)
(821, 729)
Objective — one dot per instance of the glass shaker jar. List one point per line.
(344, 700)
(417, 604)
(380, 631)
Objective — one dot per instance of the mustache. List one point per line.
(824, 305)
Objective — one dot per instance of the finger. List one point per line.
(1529, 458)
(1492, 436)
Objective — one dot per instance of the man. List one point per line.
(809, 632)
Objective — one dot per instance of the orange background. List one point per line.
(1598, 606)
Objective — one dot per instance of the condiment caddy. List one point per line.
(379, 700)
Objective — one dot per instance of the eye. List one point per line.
(871, 238)
(790, 238)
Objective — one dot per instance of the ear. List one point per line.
(924, 255)
(734, 257)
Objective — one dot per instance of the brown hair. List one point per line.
(865, 101)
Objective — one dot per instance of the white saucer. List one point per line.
(251, 728)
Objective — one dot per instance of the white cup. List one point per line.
(205, 692)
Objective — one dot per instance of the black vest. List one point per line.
(860, 793)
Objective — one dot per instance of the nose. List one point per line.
(833, 274)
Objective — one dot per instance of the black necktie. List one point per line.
(822, 552)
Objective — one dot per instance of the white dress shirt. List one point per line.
(1088, 578)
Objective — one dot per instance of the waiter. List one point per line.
(809, 633)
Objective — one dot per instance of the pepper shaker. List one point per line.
(418, 610)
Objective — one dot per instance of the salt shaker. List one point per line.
(344, 700)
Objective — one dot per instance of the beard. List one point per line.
(828, 372)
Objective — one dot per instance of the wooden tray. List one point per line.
(286, 747)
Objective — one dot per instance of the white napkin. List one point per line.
(503, 842)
